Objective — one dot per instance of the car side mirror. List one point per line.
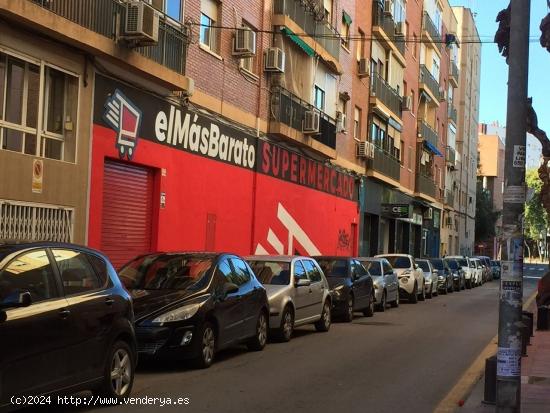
(416, 266)
(302, 282)
(230, 288)
(18, 299)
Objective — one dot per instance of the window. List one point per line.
(209, 18)
(173, 9)
(313, 272)
(248, 63)
(327, 4)
(399, 153)
(361, 46)
(299, 271)
(241, 275)
(30, 272)
(319, 98)
(413, 101)
(76, 272)
(435, 69)
(399, 11)
(357, 123)
(346, 29)
(100, 268)
(21, 100)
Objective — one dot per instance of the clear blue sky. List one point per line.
(494, 70)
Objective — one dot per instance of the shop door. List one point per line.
(127, 212)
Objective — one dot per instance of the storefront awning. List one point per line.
(432, 148)
(298, 41)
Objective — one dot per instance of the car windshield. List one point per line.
(334, 267)
(462, 262)
(453, 264)
(399, 262)
(424, 265)
(438, 264)
(167, 272)
(271, 272)
(472, 264)
(373, 267)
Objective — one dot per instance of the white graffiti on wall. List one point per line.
(295, 233)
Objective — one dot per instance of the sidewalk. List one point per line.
(535, 378)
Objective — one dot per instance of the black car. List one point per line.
(190, 305)
(445, 279)
(66, 323)
(351, 286)
(459, 280)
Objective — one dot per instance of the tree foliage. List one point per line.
(536, 218)
(486, 217)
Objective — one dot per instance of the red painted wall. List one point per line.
(196, 186)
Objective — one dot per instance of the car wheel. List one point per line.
(395, 303)
(257, 343)
(468, 284)
(118, 375)
(324, 323)
(422, 296)
(383, 302)
(369, 311)
(287, 325)
(206, 346)
(451, 288)
(413, 297)
(348, 316)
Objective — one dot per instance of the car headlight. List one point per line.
(404, 280)
(440, 277)
(179, 314)
(338, 291)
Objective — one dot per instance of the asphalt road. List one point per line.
(405, 359)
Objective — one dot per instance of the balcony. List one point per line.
(450, 156)
(454, 73)
(385, 164)
(430, 28)
(287, 115)
(449, 198)
(453, 116)
(381, 91)
(320, 31)
(105, 17)
(425, 185)
(385, 29)
(430, 84)
(427, 133)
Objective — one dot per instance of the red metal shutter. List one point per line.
(127, 212)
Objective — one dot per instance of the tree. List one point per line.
(536, 218)
(486, 217)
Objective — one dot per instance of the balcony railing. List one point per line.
(385, 164)
(453, 113)
(388, 25)
(430, 81)
(450, 156)
(427, 133)
(323, 33)
(449, 198)
(388, 95)
(289, 109)
(454, 71)
(425, 185)
(105, 17)
(432, 30)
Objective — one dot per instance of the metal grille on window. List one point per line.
(21, 221)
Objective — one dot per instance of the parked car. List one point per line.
(469, 274)
(351, 286)
(66, 323)
(411, 276)
(459, 280)
(477, 266)
(487, 268)
(190, 305)
(297, 291)
(444, 275)
(496, 269)
(386, 283)
(430, 277)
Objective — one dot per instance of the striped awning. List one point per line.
(298, 41)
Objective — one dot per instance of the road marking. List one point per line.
(472, 375)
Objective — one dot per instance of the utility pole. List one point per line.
(511, 288)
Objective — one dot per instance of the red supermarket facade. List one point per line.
(166, 178)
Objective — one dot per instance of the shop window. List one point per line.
(22, 103)
(209, 19)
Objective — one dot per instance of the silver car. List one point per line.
(297, 291)
(386, 283)
(430, 277)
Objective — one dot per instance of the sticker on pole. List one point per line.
(508, 362)
(514, 195)
(519, 156)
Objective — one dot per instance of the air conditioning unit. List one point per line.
(274, 60)
(442, 94)
(311, 122)
(406, 104)
(363, 67)
(142, 23)
(341, 122)
(429, 213)
(365, 150)
(244, 42)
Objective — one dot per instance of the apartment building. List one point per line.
(467, 103)
(490, 177)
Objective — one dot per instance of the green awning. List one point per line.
(346, 18)
(299, 41)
